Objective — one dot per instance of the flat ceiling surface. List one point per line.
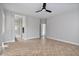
(30, 8)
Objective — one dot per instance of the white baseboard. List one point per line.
(3, 43)
(28, 38)
(54, 38)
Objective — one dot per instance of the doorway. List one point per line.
(18, 27)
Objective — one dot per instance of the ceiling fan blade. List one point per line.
(39, 10)
(48, 11)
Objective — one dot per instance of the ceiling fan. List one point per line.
(44, 8)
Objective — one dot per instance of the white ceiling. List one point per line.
(30, 8)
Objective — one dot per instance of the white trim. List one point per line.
(3, 22)
(3, 43)
(54, 38)
(28, 38)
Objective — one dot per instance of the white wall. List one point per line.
(9, 26)
(0, 26)
(64, 26)
(0, 21)
(33, 27)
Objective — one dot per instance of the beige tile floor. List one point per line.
(39, 47)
